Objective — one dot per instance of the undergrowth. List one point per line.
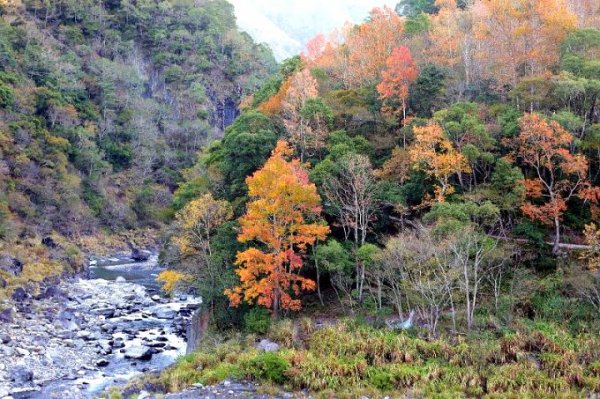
(349, 359)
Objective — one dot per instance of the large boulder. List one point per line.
(267, 346)
(140, 255)
(164, 312)
(11, 265)
(139, 352)
(20, 375)
(19, 295)
(6, 316)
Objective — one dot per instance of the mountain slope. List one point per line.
(103, 104)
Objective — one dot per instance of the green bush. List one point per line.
(7, 96)
(268, 366)
(380, 379)
(257, 321)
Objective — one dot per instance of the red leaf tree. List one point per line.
(401, 71)
(559, 175)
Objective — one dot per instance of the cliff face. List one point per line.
(104, 103)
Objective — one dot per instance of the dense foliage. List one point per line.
(350, 360)
(104, 104)
(454, 148)
(440, 160)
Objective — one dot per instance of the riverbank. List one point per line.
(78, 336)
(351, 359)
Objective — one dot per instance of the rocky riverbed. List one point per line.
(77, 337)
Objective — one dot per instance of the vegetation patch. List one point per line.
(536, 360)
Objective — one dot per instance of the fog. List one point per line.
(286, 25)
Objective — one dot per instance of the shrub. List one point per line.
(268, 366)
(283, 332)
(257, 321)
(172, 279)
(7, 96)
(380, 378)
(221, 372)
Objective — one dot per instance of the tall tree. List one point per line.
(521, 37)
(559, 175)
(433, 153)
(279, 224)
(401, 71)
(350, 190)
(453, 44)
(197, 225)
(369, 45)
(305, 117)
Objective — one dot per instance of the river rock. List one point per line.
(164, 312)
(3, 283)
(107, 312)
(21, 375)
(83, 334)
(19, 295)
(140, 255)
(69, 326)
(102, 363)
(139, 352)
(6, 315)
(267, 346)
(5, 338)
(52, 292)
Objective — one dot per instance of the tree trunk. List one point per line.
(556, 246)
(403, 124)
(314, 249)
(275, 313)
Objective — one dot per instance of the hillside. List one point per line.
(425, 185)
(408, 207)
(104, 104)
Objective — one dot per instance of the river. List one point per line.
(85, 335)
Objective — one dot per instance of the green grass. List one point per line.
(350, 360)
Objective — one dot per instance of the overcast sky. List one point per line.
(285, 25)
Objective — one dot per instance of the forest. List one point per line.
(103, 105)
(411, 206)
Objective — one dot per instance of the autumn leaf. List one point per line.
(434, 154)
(279, 225)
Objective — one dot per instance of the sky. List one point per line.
(286, 25)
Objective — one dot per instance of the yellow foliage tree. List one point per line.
(277, 226)
(198, 220)
(434, 154)
(592, 255)
(172, 279)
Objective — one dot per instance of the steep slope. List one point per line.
(103, 104)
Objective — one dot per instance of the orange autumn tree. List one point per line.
(520, 37)
(452, 41)
(400, 73)
(369, 45)
(278, 226)
(301, 135)
(434, 154)
(559, 174)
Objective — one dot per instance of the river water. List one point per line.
(106, 330)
